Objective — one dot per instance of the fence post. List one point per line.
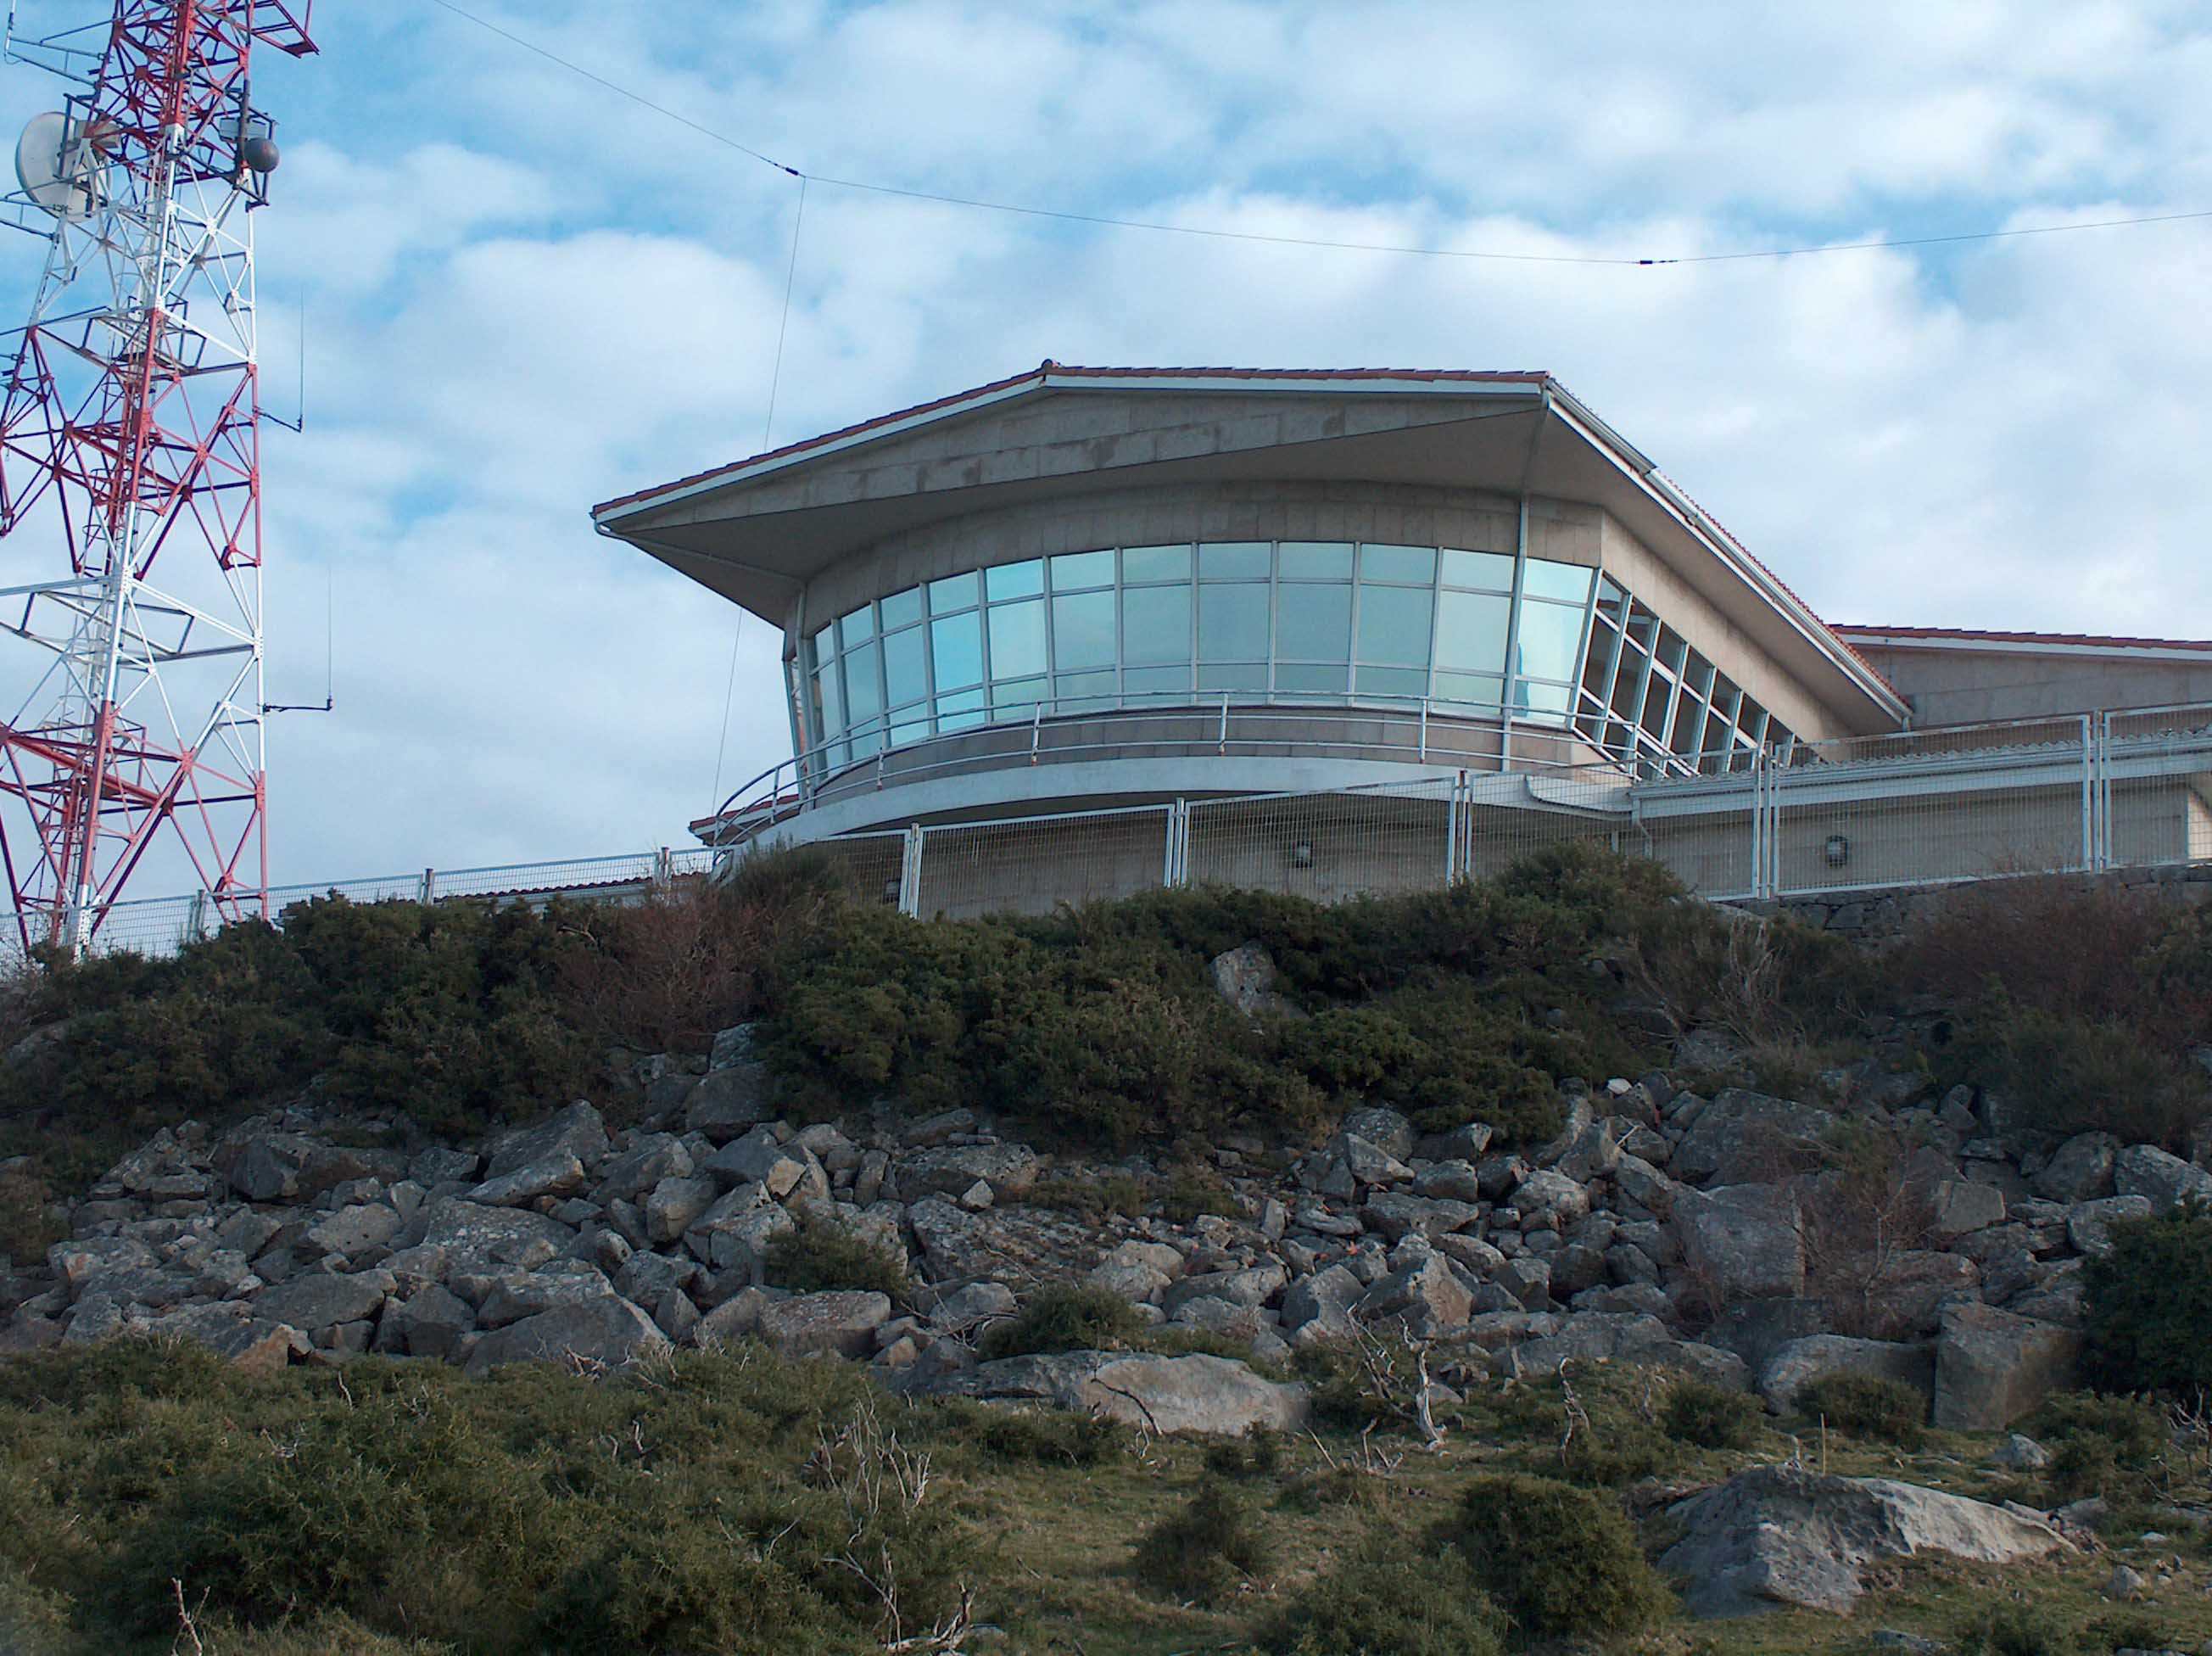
(664, 870)
(429, 890)
(195, 926)
(1454, 824)
(1178, 851)
(2088, 792)
(910, 898)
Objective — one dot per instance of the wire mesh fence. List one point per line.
(1033, 867)
(1324, 846)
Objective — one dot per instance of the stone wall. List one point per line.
(1881, 916)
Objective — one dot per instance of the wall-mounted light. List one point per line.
(1302, 854)
(891, 892)
(1837, 851)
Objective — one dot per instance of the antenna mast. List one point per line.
(129, 436)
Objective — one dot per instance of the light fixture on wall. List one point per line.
(1837, 851)
(1302, 854)
(891, 892)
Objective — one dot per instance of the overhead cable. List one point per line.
(1218, 233)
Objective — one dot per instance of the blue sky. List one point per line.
(525, 293)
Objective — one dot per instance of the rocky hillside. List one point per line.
(1880, 1250)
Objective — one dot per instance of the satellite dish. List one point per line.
(59, 170)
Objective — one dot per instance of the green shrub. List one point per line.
(1560, 1561)
(1193, 1191)
(1712, 1416)
(1867, 1406)
(1387, 1598)
(2101, 1446)
(1065, 1318)
(2075, 1075)
(1606, 1439)
(1041, 1437)
(2003, 1628)
(2148, 1303)
(1258, 1453)
(1204, 1550)
(816, 1256)
(28, 1224)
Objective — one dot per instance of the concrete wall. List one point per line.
(1963, 682)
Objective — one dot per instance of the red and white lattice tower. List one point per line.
(130, 468)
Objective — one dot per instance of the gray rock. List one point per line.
(1467, 1143)
(2144, 1170)
(737, 1317)
(1545, 1196)
(1366, 1163)
(1245, 978)
(82, 1264)
(730, 1048)
(355, 1231)
(1213, 1395)
(2021, 1454)
(973, 1306)
(841, 1323)
(957, 1244)
(1452, 1180)
(1646, 1186)
(577, 1131)
(558, 1174)
(2081, 1170)
(1140, 1285)
(1007, 1169)
(293, 1167)
(315, 1303)
(1992, 1366)
(1774, 1537)
(1423, 1298)
(640, 1168)
(760, 1158)
(942, 1128)
(725, 1102)
(1964, 1205)
(607, 1332)
(1741, 1242)
(1251, 1287)
(1743, 1136)
(1386, 1129)
(1220, 1317)
(1327, 1295)
(441, 1165)
(1528, 1279)
(527, 1294)
(674, 1205)
(1591, 1153)
(431, 1322)
(736, 1232)
(1396, 1215)
(1801, 1362)
(2090, 1224)
(1590, 1336)
(477, 1238)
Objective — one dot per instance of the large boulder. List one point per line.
(318, 1301)
(1621, 1336)
(1547, 1197)
(293, 1167)
(1423, 1297)
(2090, 1224)
(605, 1332)
(1742, 1242)
(1992, 1368)
(477, 1238)
(1216, 1396)
(736, 1232)
(1775, 1537)
(727, 1101)
(2079, 1171)
(1008, 1169)
(1801, 1362)
(2166, 1180)
(578, 1131)
(642, 1167)
(530, 1293)
(1742, 1136)
(558, 1174)
(355, 1230)
(840, 1324)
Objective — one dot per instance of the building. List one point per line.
(1351, 630)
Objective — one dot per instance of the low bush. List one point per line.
(1603, 1437)
(1258, 1453)
(2110, 1447)
(1710, 1416)
(29, 1224)
(1205, 1550)
(1387, 1596)
(1867, 1406)
(1065, 1318)
(2003, 1629)
(1560, 1561)
(2148, 1302)
(816, 1256)
(1039, 1437)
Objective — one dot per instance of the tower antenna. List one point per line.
(129, 438)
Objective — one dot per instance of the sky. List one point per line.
(521, 292)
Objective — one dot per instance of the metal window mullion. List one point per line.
(1512, 673)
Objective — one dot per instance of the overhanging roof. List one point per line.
(757, 530)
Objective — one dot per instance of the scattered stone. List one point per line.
(2089, 1224)
(606, 1332)
(2021, 1454)
(2159, 1177)
(558, 1174)
(318, 1302)
(841, 1323)
(576, 1131)
(1245, 978)
(2079, 1171)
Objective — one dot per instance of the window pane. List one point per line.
(1570, 582)
(1083, 629)
(1234, 560)
(911, 726)
(1016, 699)
(1156, 563)
(1076, 687)
(1492, 571)
(1394, 624)
(1689, 725)
(1398, 563)
(1546, 704)
(1671, 649)
(1313, 622)
(1478, 688)
(1017, 640)
(955, 592)
(1014, 580)
(1072, 571)
(1232, 624)
(1310, 679)
(864, 694)
(858, 627)
(955, 646)
(1392, 681)
(905, 673)
(825, 646)
(1156, 622)
(961, 711)
(829, 704)
(901, 609)
(1251, 678)
(1551, 638)
(1317, 560)
(1471, 630)
(1150, 681)
(1642, 625)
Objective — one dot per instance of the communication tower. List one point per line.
(129, 438)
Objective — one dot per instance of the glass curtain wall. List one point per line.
(1293, 622)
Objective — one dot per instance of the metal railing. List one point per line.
(2084, 793)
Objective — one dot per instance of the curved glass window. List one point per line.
(1484, 634)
